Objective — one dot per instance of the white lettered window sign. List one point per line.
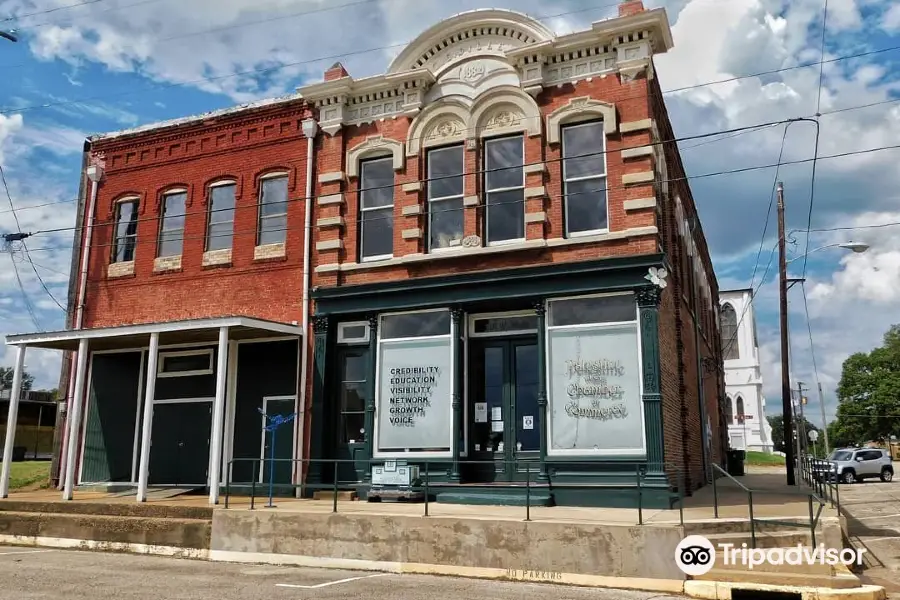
(414, 411)
(594, 376)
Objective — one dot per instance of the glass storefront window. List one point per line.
(414, 411)
(417, 324)
(594, 379)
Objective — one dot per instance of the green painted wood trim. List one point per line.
(540, 308)
(608, 274)
(370, 405)
(648, 304)
(320, 355)
(456, 402)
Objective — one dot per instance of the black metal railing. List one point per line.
(812, 499)
(818, 474)
(434, 475)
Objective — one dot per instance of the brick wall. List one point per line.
(680, 313)
(630, 99)
(241, 147)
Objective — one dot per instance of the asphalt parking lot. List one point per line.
(44, 574)
(872, 509)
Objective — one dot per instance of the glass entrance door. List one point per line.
(504, 408)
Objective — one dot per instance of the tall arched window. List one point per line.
(728, 326)
(740, 410)
(729, 410)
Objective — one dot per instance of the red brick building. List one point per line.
(508, 281)
(489, 210)
(187, 288)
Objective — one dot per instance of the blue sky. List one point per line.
(88, 67)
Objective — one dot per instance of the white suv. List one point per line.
(850, 465)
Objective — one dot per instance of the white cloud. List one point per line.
(9, 125)
(891, 20)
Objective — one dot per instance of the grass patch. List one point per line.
(33, 474)
(761, 458)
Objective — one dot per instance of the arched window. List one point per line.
(729, 410)
(740, 410)
(728, 327)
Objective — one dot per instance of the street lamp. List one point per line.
(9, 35)
(786, 404)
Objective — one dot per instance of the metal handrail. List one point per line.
(810, 496)
(425, 483)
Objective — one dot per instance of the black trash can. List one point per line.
(736, 462)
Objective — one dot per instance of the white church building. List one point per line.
(748, 428)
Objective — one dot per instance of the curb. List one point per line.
(704, 590)
(674, 586)
(717, 590)
(101, 546)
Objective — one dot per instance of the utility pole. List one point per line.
(801, 421)
(786, 407)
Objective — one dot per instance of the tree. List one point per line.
(6, 379)
(869, 394)
(777, 423)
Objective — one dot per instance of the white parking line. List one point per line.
(327, 583)
(26, 552)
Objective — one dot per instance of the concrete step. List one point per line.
(487, 498)
(342, 495)
(111, 529)
(767, 539)
(128, 508)
(723, 526)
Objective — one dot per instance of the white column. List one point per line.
(230, 406)
(74, 419)
(218, 418)
(14, 394)
(147, 425)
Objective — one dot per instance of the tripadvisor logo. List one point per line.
(695, 555)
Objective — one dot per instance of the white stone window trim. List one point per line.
(468, 123)
(161, 364)
(602, 180)
(631, 452)
(361, 228)
(579, 110)
(375, 146)
(136, 200)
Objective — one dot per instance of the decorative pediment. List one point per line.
(375, 145)
(489, 32)
(578, 110)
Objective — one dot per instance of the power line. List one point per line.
(760, 127)
(685, 178)
(51, 10)
(762, 239)
(812, 348)
(403, 44)
(812, 185)
(849, 227)
(25, 247)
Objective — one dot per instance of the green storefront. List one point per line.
(542, 377)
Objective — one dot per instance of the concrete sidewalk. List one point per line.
(771, 499)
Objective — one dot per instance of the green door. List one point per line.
(505, 411)
(179, 447)
(284, 441)
(349, 413)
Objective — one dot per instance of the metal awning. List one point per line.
(170, 332)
